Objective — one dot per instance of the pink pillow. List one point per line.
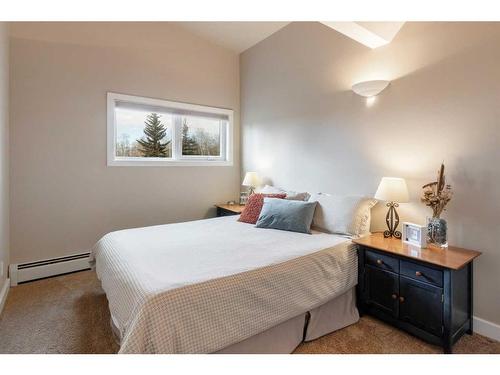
(254, 205)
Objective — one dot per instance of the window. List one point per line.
(153, 132)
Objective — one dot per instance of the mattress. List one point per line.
(200, 286)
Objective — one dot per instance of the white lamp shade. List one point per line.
(370, 88)
(251, 179)
(392, 189)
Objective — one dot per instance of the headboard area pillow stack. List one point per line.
(331, 213)
(348, 215)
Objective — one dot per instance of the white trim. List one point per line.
(150, 162)
(112, 160)
(486, 328)
(3, 294)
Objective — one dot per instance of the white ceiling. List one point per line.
(239, 36)
(236, 36)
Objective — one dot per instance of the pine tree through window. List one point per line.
(154, 143)
(144, 131)
(200, 137)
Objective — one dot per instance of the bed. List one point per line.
(222, 286)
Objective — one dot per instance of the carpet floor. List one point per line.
(69, 314)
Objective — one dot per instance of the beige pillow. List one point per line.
(349, 215)
(290, 195)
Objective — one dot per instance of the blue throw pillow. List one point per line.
(295, 216)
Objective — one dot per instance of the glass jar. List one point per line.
(437, 232)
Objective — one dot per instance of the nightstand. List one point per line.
(426, 292)
(229, 209)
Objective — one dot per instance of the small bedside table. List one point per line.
(426, 292)
(229, 209)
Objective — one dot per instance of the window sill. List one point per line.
(169, 163)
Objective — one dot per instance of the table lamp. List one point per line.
(251, 180)
(393, 190)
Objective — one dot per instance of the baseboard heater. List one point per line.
(23, 272)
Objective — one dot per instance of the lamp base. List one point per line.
(392, 221)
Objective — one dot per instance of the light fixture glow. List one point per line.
(370, 101)
(370, 88)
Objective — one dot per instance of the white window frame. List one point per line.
(226, 145)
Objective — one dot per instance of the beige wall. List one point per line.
(303, 128)
(64, 197)
(4, 150)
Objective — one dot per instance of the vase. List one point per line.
(437, 232)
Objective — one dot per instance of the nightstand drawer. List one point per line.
(419, 272)
(381, 261)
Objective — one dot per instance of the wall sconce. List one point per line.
(369, 89)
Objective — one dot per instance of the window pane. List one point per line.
(143, 133)
(201, 136)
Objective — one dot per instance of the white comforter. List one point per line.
(136, 265)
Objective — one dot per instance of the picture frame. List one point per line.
(243, 198)
(414, 234)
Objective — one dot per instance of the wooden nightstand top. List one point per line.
(237, 208)
(452, 257)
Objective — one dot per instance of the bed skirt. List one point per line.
(285, 337)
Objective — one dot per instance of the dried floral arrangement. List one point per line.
(437, 194)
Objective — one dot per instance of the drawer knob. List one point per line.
(418, 273)
(394, 296)
(401, 299)
(379, 261)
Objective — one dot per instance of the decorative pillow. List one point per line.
(295, 216)
(348, 215)
(290, 195)
(254, 204)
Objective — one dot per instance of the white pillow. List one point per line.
(268, 189)
(297, 196)
(291, 195)
(350, 215)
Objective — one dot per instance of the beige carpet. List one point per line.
(69, 314)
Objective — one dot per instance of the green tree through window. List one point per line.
(189, 144)
(151, 145)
